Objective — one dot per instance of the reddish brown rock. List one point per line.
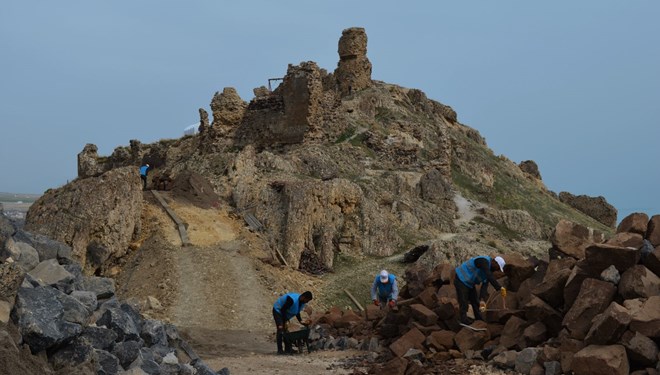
(607, 327)
(557, 265)
(412, 339)
(467, 339)
(446, 308)
(572, 239)
(511, 336)
(647, 320)
(601, 360)
(442, 274)
(428, 297)
(550, 354)
(447, 291)
(634, 223)
(415, 276)
(374, 312)
(601, 256)
(441, 340)
(535, 334)
(652, 261)
(423, 315)
(653, 231)
(348, 319)
(396, 366)
(568, 348)
(642, 351)
(536, 310)
(637, 282)
(551, 290)
(517, 269)
(627, 239)
(574, 283)
(595, 296)
(427, 330)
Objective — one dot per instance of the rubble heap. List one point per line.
(593, 307)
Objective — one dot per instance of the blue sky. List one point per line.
(572, 85)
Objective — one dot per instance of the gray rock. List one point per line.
(414, 354)
(127, 352)
(22, 253)
(186, 369)
(107, 363)
(74, 310)
(223, 371)
(7, 229)
(526, 359)
(153, 333)
(611, 274)
(552, 368)
(102, 286)
(74, 354)
(5, 309)
(101, 338)
(120, 322)
(31, 282)
(40, 317)
(170, 369)
(201, 367)
(172, 333)
(73, 267)
(506, 359)
(88, 299)
(51, 273)
(46, 247)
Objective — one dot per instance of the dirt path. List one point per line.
(222, 306)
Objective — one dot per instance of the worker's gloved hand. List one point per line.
(482, 306)
(503, 292)
(376, 302)
(392, 303)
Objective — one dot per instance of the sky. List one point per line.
(572, 85)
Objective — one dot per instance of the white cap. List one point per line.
(500, 261)
(384, 276)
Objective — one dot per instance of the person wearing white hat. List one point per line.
(384, 290)
(477, 270)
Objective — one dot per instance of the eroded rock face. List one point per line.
(634, 223)
(88, 165)
(531, 168)
(103, 210)
(228, 109)
(596, 207)
(353, 71)
(572, 239)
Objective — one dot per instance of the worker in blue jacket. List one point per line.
(285, 308)
(384, 290)
(475, 271)
(143, 175)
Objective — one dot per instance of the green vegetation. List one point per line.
(346, 135)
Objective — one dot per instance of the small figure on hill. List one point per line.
(477, 270)
(285, 308)
(143, 175)
(384, 290)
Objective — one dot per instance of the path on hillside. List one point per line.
(222, 308)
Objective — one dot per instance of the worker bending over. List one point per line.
(478, 270)
(285, 308)
(384, 290)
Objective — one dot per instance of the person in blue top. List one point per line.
(384, 290)
(285, 308)
(477, 270)
(143, 175)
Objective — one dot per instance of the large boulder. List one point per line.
(23, 254)
(46, 247)
(641, 350)
(595, 296)
(637, 282)
(647, 319)
(634, 223)
(572, 239)
(607, 327)
(103, 210)
(601, 360)
(601, 256)
(595, 207)
(653, 230)
(627, 239)
(517, 269)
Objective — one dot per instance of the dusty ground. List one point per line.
(220, 291)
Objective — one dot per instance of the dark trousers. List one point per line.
(465, 294)
(144, 181)
(279, 322)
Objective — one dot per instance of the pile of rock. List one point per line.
(76, 320)
(592, 308)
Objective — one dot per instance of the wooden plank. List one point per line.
(185, 240)
(355, 301)
(281, 258)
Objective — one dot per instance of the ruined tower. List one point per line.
(354, 68)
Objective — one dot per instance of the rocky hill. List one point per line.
(335, 162)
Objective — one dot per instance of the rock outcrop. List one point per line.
(353, 71)
(596, 207)
(531, 168)
(96, 216)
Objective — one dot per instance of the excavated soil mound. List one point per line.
(195, 189)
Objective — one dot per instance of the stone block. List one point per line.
(535, 334)
(526, 360)
(572, 239)
(595, 296)
(441, 340)
(647, 320)
(396, 366)
(551, 290)
(607, 327)
(627, 239)
(579, 273)
(512, 332)
(518, 269)
(642, 351)
(636, 222)
(103, 287)
(412, 339)
(652, 261)
(446, 308)
(601, 256)
(428, 297)
(653, 230)
(536, 310)
(601, 360)
(639, 282)
(51, 273)
(467, 339)
(423, 315)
